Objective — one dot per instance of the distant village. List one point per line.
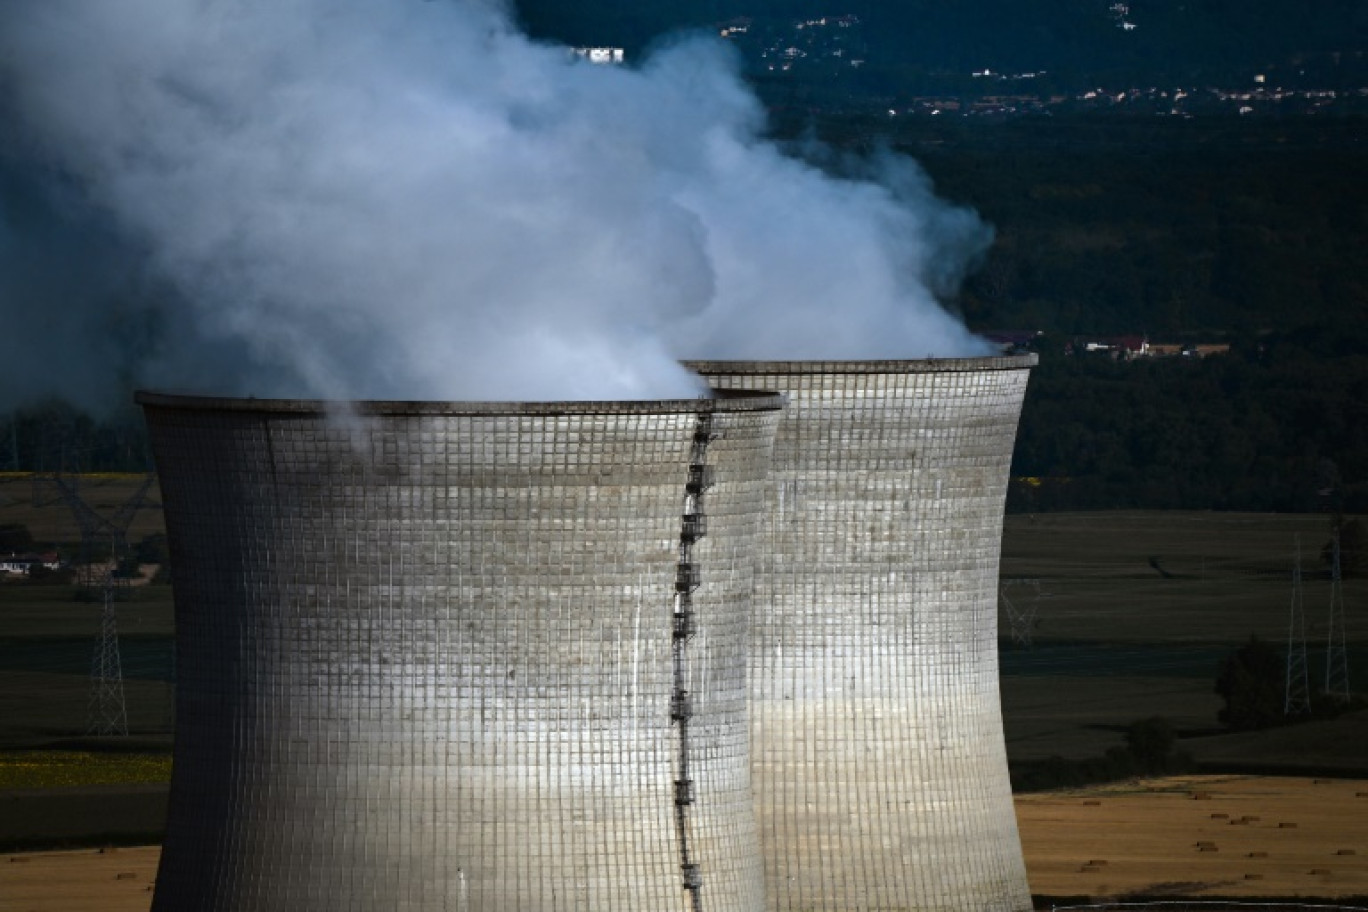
(1121, 348)
(21, 564)
(826, 45)
(1177, 102)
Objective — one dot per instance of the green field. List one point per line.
(1133, 611)
(1220, 576)
(37, 503)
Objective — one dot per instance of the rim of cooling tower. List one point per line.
(721, 400)
(916, 366)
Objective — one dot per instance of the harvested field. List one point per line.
(90, 880)
(1193, 836)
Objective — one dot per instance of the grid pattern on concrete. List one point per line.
(425, 655)
(879, 764)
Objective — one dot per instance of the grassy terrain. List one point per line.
(1133, 613)
(50, 612)
(1219, 577)
(82, 816)
(38, 504)
(62, 769)
(1081, 717)
(47, 643)
(1330, 746)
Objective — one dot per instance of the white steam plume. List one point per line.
(405, 199)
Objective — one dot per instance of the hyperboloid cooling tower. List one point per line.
(461, 656)
(879, 765)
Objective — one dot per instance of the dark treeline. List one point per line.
(1179, 230)
(1149, 749)
(53, 436)
(1167, 229)
(1278, 424)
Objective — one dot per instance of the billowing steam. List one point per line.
(406, 199)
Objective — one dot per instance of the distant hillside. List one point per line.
(1183, 230)
(911, 42)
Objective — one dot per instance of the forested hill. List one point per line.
(1076, 41)
(1279, 424)
(1275, 425)
(1181, 230)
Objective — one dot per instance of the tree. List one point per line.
(1251, 681)
(15, 537)
(152, 549)
(1150, 741)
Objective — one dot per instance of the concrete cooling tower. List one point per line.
(879, 766)
(470, 657)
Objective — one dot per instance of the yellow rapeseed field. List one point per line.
(56, 769)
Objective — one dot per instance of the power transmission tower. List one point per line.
(1336, 658)
(107, 713)
(1297, 699)
(1021, 621)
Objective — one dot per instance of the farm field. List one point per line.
(88, 880)
(1227, 836)
(1213, 836)
(37, 504)
(1172, 577)
(1117, 616)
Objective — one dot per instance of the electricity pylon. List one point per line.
(107, 712)
(1021, 621)
(1336, 658)
(1297, 695)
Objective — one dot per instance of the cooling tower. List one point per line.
(462, 656)
(879, 766)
